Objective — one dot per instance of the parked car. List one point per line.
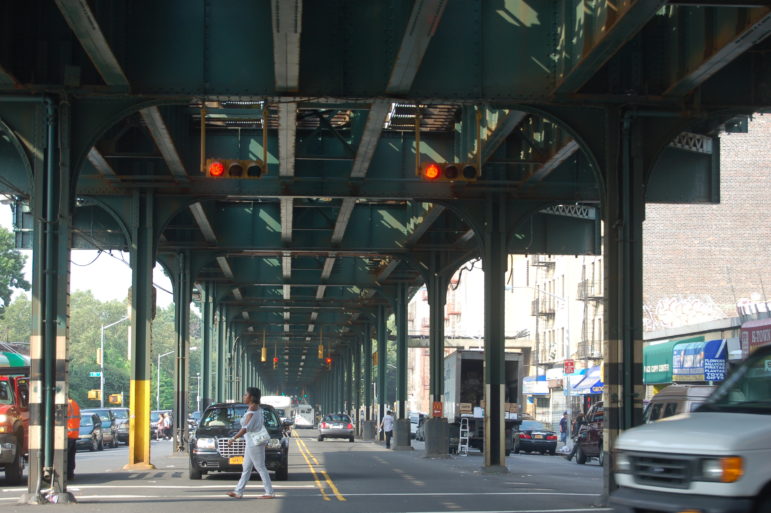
(90, 436)
(534, 436)
(209, 451)
(414, 421)
(336, 425)
(122, 420)
(109, 425)
(589, 438)
(676, 399)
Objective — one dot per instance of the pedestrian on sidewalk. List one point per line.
(387, 426)
(580, 421)
(254, 455)
(564, 428)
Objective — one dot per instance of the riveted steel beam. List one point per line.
(81, 20)
(102, 166)
(728, 42)
(287, 27)
(620, 23)
(425, 17)
(160, 134)
(555, 160)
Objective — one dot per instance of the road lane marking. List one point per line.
(338, 495)
(313, 471)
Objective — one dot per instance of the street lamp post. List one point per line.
(158, 384)
(101, 359)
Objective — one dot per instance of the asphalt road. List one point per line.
(335, 476)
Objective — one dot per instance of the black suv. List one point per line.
(209, 451)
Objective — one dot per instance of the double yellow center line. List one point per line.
(317, 470)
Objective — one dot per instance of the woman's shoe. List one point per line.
(235, 495)
(267, 496)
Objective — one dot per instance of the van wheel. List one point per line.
(350, 439)
(580, 456)
(321, 438)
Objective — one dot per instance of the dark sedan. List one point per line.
(534, 436)
(209, 451)
(90, 436)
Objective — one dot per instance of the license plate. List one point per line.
(337, 426)
(538, 436)
(236, 460)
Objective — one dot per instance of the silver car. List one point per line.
(336, 425)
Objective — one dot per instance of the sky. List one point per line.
(107, 277)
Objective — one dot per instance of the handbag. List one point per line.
(259, 437)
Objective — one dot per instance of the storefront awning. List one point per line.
(657, 360)
(591, 384)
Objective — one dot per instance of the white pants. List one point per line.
(254, 456)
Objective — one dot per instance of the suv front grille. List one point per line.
(237, 449)
(666, 471)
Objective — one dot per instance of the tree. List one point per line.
(11, 269)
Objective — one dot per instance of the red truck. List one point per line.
(14, 421)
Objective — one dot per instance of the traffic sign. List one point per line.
(569, 367)
(95, 374)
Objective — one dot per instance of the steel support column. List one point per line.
(142, 254)
(400, 318)
(348, 380)
(623, 213)
(368, 372)
(494, 262)
(206, 350)
(221, 329)
(51, 205)
(183, 292)
(382, 345)
(357, 383)
(437, 299)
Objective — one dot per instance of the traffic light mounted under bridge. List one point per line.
(448, 172)
(235, 168)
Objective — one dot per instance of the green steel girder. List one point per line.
(327, 245)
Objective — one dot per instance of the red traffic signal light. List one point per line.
(328, 361)
(448, 172)
(235, 168)
(275, 362)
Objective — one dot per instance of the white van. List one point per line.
(304, 417)
(676, 399)
(283, 405)
(716, 459)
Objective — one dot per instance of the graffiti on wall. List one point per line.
(680, 310)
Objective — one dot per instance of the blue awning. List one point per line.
(591, 384)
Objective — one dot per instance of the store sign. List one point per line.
(755, 334)
(533, 386)
(700, 361)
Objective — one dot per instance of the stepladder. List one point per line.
(463, 437)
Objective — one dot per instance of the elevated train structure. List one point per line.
(274, 155)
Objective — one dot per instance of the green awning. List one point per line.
(657, 360)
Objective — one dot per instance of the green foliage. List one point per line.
(87, 316)
(11, 269)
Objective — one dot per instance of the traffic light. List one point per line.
(95, 395)
(320, 352)
(275, 362)
(235, 168)
(448, 172)
(98, 356)
(115, 398)
(328, 362)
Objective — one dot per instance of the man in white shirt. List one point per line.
(387, 426)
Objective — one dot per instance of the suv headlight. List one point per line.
(205, 443)
(723, 470)
(274, 443)
(622, 463)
